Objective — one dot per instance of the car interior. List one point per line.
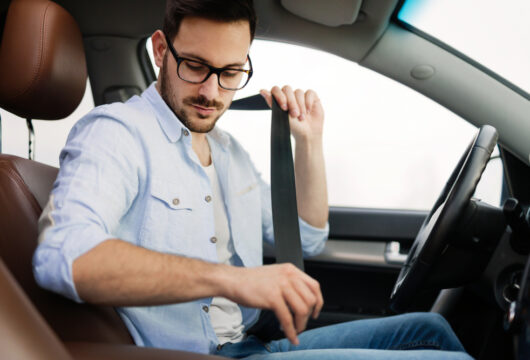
(465, 259)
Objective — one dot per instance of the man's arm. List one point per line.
(118, 273)
(306, 119)
(311, 189)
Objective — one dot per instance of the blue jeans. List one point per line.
(411, 336)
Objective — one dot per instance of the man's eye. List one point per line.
(231, 74)
(195, 67)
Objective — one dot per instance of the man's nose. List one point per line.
(210, 88)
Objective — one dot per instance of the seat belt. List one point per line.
(287, 243)
(254, 102)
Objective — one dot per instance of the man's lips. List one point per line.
(202, 110)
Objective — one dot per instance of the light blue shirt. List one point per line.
(128, 171)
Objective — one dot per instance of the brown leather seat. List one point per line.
(24, 189)
(23, 332)
(43, 76)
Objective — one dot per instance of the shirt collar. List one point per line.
(171, 124)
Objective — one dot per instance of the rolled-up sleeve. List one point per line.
(313, 238)
(97, 182)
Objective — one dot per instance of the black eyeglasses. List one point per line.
(197, 72)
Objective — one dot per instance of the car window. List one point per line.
(385, 146)
(50, 136)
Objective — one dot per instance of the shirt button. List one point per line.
(208, 198)
(176, 201)
(205, 308)
(185, 132)
(213, 239)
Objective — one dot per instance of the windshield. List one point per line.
(494, 33)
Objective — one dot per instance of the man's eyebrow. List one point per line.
(196, 57)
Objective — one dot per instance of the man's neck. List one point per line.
(200, 145)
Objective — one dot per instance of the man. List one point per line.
(159, 213)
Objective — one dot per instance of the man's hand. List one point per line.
(306, 115)
(282, 288)
(306, 120)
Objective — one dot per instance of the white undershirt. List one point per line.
(225, 315)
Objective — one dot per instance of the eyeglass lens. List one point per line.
(196, 72)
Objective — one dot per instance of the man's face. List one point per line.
(218, 44)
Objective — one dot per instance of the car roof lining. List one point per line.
(329, 13)
(275, 22)
(352, 42)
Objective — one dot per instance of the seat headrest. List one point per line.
(42, 61)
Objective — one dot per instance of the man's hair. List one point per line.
(220, 10)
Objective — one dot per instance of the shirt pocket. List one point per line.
(170, 218)
(171, 196)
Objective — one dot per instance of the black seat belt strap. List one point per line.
(288, 247)
(254, 102)
(287, 242)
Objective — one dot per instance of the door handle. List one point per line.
(393, 254)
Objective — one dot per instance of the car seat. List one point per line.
(43, 76)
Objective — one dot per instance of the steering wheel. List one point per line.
(439, 225)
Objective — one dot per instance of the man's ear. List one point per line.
(159, 47)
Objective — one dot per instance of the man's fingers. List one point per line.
(307, 294)
(280, 97)
(298, 103)
(267, 96)
(300, 99)
(299, 308)
(292, 104)
(286, 321)
(319, 304)
(315, 288)
(310, 98)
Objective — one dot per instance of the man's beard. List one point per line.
(169, 97)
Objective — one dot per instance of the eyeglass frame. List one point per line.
(212, 69)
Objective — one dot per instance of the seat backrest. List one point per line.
(42, 75)
(24, 189)
(24, 333)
